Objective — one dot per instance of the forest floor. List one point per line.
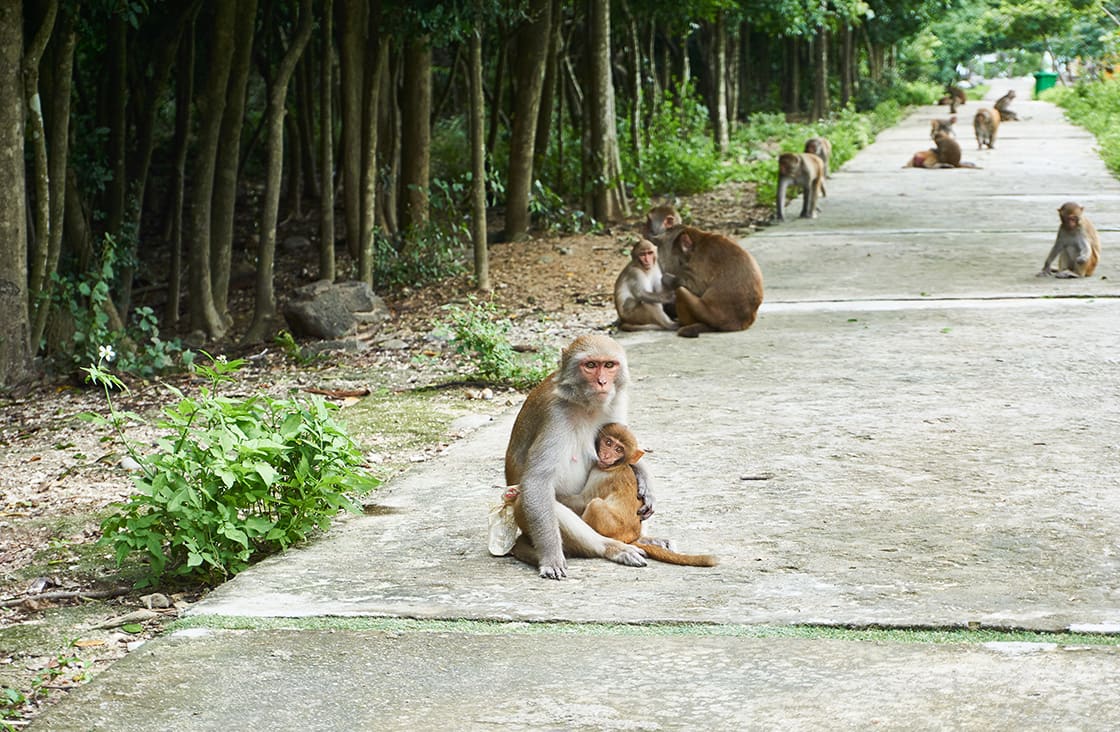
(59, 473)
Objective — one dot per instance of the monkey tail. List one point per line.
(662, 554)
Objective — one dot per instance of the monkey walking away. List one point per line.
(641, 290)
(822, 148)
(610, 496)
(986, 125)
(1077, 246)
(550, 454)
(807, 171)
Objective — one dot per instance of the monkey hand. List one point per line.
(554, 570)
(670, 280)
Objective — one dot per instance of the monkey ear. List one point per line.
(686, 243)
(636, 456)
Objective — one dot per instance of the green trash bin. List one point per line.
(1044, 80)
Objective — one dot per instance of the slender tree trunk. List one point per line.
(478, 164)
(205, 317)
(416, 134)
(58, 146)
(352, 27)
(326, 145)
(608, 197)
(846, 67)
(388, 142)
(377, 63)
(173, 233)
(40, 169)
(719, 84)
(820, 74)
(733, 80)
(265, 310)
(634, 52)
(498, 95)
(229, 156)
(15, 326)
(530, 65)
(549, 94)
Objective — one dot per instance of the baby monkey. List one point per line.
(611, 496)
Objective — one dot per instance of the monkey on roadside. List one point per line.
(1077, 246)
(942, 125)
(550, 454)
(807, 171)
(641, 289)
(986, 124)
(947, 154)
(954, 96)
(822, 148)
(610, 496)
(1002, 105)
(719, 282)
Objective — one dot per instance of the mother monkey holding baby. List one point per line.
(552, 449)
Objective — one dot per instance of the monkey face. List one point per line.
(646, 258)
(611, 452)
(599, 375)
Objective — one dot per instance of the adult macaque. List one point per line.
(550, 454)
(805, 170)
(947, 154)
(641, 289)
(659, 220)
(942, 125)
(719, 282)
(1077, 246)
(1002, 105)
(822, 148)
(954, 96)
(611, 500)
(986, 124)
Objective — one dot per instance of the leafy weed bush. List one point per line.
(681, 157)
(481, 334)
(233, 480)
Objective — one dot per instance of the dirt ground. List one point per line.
(58, 470)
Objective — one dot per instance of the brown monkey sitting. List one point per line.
(947, 154)
(1077, 246)
(942, 125)
(807, 171)
(1002, 105)
(986, 124)
(641, 290)
(724, 274)
(611, 500)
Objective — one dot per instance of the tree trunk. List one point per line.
(173, 231)
(719, 84)
(229, 156)
(377, 62)
(416, 134)
(326, 145)
(58, 147)
(634, 75)
(388, 142)
(608, 197)
(41, 171)
(532, 36)
(265, 310)
(15, 327)
(733, 78)
(847, 68)
(212, 102)
(549, 94)
(478, 164)
(820, 74)
(352, 27)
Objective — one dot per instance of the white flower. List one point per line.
(106, 353)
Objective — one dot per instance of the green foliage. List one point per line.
(138, 348)
(680, 157)
(481, 334)
(292, 350)
(431, 251)
(1096, 107)
(233, 480)
(13, 702)
(550, 213)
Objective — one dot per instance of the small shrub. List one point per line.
(233, 479)
(482, 335)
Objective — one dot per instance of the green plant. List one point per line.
(551, 213)
(14, 702)
(233, 479)
(139, 349)
(292, 350)
(430, 251)
(482, 335)
(1096, 107)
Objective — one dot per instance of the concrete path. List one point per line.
(917, 432)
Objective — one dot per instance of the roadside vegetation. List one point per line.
(1096, 107)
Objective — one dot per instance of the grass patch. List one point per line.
(1096, 107)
